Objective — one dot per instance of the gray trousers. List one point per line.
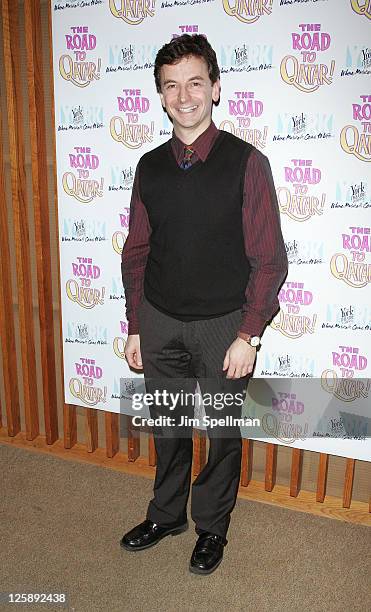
(176, 355)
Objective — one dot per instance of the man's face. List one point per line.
(187, 94)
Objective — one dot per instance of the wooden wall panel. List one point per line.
(69, 411)
(91, 429)
(112, 420)
(246, 461)
(7, 331)
(322, 477)
(270, 466)
(199, 450)
(152, 459)
(348, 482)
(133, 440)
(41, 212)
(296, 471)
(20, 213)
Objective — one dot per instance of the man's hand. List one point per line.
(239, 359)
(132, 352)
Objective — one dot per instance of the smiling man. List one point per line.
(201, 268)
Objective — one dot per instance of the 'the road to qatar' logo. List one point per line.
(80, 69)
(247, 11)
(81, 289)
(280, 423)
(308, 76)
(128, 130)
(82, 187)
(119, 342)
(301, 206)
(119, 236)
(290, 321)
(344, 379)
(84, 386)
(356, 140)
(242, 109)
(361, 7)
(350, 266)
(132, 12)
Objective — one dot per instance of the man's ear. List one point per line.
(216, 91)
(162, 99)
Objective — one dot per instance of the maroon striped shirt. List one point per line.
(264, 245)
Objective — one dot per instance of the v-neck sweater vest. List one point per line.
(197, 267)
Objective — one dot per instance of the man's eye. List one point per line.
(196, 83)
(170, 86)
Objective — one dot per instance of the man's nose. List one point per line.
(183, 93)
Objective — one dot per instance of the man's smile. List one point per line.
(187, 109)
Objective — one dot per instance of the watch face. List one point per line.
(255, 341)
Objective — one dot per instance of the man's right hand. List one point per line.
(132, 352)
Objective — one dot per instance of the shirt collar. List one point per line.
(202, 145)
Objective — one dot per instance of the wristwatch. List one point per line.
(252, 340)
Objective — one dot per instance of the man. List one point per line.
(201, 268)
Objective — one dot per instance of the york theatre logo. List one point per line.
(78, 67)
(132, 12)
(305, 73)
(294, 199)
(357, 60)
(78, 117)
(356, 139)
(83, 230)
(350, 265)
(122, 179)
(294, 301)
(83, 288)
(361, 7)
(244, 57)
(303, 126)
(131, 130)
(77, 182)
(352, 195)
(84, 333)
(247, 11)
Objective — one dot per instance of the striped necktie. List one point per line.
(186, 162)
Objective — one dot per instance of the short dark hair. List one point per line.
(183, 46)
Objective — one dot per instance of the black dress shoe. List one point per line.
(207, 554)
(148, 533)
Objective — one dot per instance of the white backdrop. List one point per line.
(295, 83)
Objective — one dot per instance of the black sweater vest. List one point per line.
(196, 267)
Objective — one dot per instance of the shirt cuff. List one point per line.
(133, 327)
(252, 325)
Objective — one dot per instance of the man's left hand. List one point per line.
(239, 359)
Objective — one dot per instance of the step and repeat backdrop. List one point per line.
(295, 78)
